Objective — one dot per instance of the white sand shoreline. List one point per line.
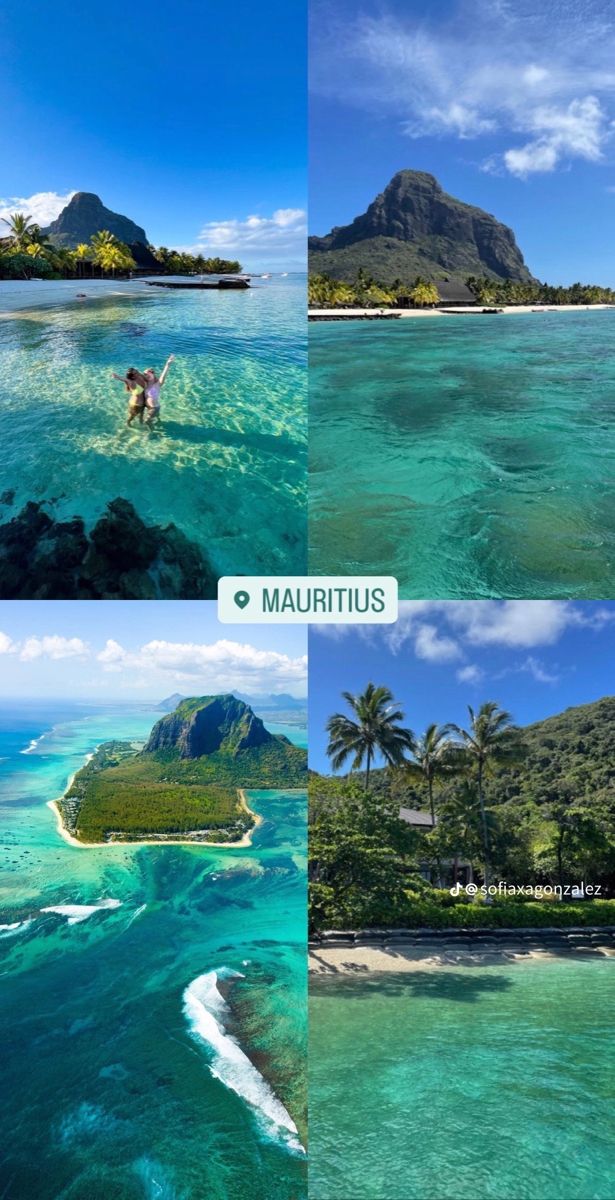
(480, 310)
(244, 841)
(364, 960)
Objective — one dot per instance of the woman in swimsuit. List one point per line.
(152, 391)
(135, 384)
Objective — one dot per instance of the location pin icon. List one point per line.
(241, 599)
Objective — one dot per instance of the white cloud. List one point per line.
(53, 647)
(43, 207)
(478, 69)
(113, 654)
(538, 672)
(7, 646)
(470, 674)
(511, 622)
(221, 665)
(430, 645)
(282, 235)
(446, 630)
(579, 131)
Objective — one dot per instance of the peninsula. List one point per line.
(188, 782)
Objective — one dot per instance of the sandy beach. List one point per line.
(163, 840)
(333, 314)
(357, 960)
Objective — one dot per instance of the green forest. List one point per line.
(133, 795)
(528, 806)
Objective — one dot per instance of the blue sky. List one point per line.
(188, 117)
(109, 651)
(510, 103)
(534, 657)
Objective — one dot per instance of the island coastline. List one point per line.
(163, 839)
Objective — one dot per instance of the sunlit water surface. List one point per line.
(468, 456)
(490, 1082)
(227, 463)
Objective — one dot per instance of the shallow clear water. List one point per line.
(490, 1082)
(227, 464)
(468, 456)
(107, 1090)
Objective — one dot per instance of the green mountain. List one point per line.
(414, 228)
(574, 750)
(187, 781)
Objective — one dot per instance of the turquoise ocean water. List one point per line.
(468, 456)
(489, 1082)
(120, 1077)
(227, 464)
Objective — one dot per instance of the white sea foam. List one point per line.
(205, 1009)
(15, 927)
(75, 913)
(135, 914)
(32, 746)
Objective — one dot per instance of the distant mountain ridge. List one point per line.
(86, 215)
(415, 228)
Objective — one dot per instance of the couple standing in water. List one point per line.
(144, 391)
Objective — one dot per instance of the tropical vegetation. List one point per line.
(27, 253)
(532, 807)
(365, 292)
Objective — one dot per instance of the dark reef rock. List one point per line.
(207, 724)
(415, 228)
(121, 559)
(85, 215)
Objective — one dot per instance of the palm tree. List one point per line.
(431, 754)
(81, 254)
(424, 294)
(431, 760)
(21, 228)
(376, 730)
(491, 740)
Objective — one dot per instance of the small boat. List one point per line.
(265, 276)
(284, 274)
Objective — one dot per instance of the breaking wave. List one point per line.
(75, 913)
(205, 1009)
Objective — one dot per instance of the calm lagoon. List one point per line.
(469, 456)
(491, 1082)
(226, 465)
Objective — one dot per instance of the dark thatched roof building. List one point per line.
(454, 292)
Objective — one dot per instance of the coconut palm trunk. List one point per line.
(485, 828)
